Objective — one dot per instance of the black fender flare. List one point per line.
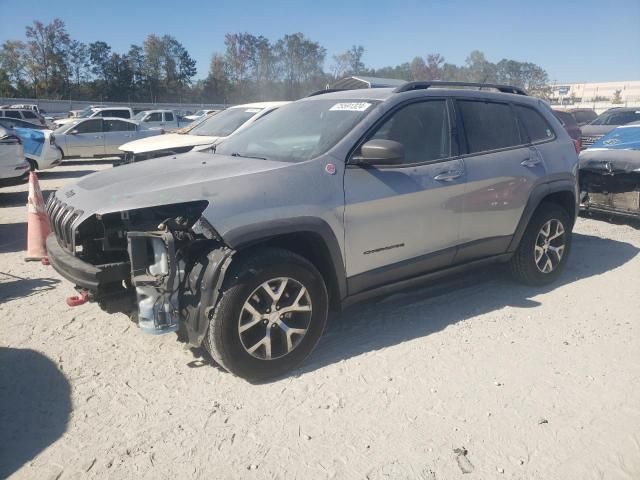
(538, 194)
(245, 236)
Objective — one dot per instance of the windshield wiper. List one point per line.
(236, 154)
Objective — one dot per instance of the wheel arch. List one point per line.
(562, 193)
(309, 237)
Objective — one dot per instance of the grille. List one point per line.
(61, 218)
(588, 140)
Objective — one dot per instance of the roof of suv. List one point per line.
(435, 90)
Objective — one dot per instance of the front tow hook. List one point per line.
(78, 300)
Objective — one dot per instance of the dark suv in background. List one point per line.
(607, 121)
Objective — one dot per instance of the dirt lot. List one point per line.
(530, 383)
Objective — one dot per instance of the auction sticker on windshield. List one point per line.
(350, 107)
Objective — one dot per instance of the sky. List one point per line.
(585, 41)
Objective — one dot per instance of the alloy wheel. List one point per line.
(275, 318)
(550, 246)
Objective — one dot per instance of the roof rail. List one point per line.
(423, 85)
(327, 90)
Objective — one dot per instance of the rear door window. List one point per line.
(534, 124)
(28, 114)
(488, 125)
(118, 126)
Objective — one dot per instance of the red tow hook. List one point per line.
(78, 300)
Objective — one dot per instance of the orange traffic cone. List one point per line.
(37, 222)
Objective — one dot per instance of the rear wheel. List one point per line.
(271, 314)
(544, 248)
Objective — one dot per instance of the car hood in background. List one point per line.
(166, 142)
(626, 137)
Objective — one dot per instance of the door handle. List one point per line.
(448, 176)
(530, 162)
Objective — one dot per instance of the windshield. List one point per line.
(67, 126)
(224, 123)
(299, 131)
(139, 115)
(199, 113)
(86, 112)
(617, 118)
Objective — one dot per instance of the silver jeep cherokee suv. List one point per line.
(329, 200)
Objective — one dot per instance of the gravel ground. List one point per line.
(476, 375)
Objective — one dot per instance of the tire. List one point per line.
(237, 324)
(524, 264)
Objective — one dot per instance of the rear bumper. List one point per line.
(83, 274)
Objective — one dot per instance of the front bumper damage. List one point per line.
(171, 278)
(610, 182)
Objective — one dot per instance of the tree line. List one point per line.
(48, 63)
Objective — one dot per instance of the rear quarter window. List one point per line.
(488, 125)
(534, 124)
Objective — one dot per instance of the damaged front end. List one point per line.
(610, 175)
(149, 263)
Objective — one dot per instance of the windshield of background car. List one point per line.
(617, 118)
(85, 113)
(139, 115)
(299, 131)
(67, 126)
(224, 123)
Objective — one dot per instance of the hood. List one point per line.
(593, 130)
(163, 181)
(166, 142)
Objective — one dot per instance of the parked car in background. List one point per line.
(202, 136)
(111, 112)
(99, 137)
(26, 115)
(327, 201)
(199, 114)
(610, 173)
(606, 122)
(7, 122)
(40, 148)
(14, 168)
(583, 116)
(571, 126)
(165, 119)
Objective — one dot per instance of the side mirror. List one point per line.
(74, 132)
(380, 152)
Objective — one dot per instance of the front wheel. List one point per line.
(544, 248)
(270, 316)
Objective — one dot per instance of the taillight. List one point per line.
(577, 143)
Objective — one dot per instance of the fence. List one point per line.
(63, 106)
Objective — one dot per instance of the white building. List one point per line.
(597, 95)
